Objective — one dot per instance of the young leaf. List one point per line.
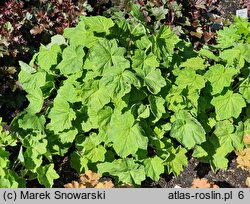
(157, 106)
(96, 154)
(118, 81)
(30, 80)
(141, 59)
(80, 36)
(127, 170)
(68, 137)
(245, 89)
(48, 57)
(154, 167)
(72, 60)
(61, 115)
(224, 130)
(187, 130)
(99, 24)
(46, 175)
(227, 37)
(33, 159)
(159, 12)
(32, 121)
(165, 42)
(78, 162)
(92, 149)
(105, 54)
(176, 160)
(228, 105)
(36, 101)
(126, 134)
(188, 78)
(4, 159)
(95, 96)
(196, 63)
(152, 78)
(220, 77)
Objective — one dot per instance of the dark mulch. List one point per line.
(229, 7)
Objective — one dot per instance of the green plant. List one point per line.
(8, 177)
(130, 102)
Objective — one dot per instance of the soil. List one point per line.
(228, 8)
(233, 177)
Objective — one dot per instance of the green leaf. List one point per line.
(165, 42)
(105, 54)
(187, 130)
(136, 12)
(68, 137)
(126, 134)
(188, 78)
(96, 154)
(61, 115)
(98, 24)
(220, 77)
(208, 54)
(143, 43)
(11, 180)
(118, 81)
(127, 170)
(31, 80)
(196, 63)
(152, 78)
(33, 159)
(57, 39)
(104, 118)
(32, 121)
(48, 57)
(176, 161)
(37, 143)
(227, 37)
(157, 106)
(141, 60)
(4, 158)
(46, 175)
(140, 110)
(92, 149)
(95, 96)
(26, 68)
(224, 130)
(69, 92)
(245, 89)
(36, 101)
(199, 152)
(219, 161)
(48, 88)
(78, 162)
(233, 57)
(175, 99)
(214, 153)
(154, 167)
(72, 60)
(228, 105)
(80, 36)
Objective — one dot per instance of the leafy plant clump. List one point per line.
(129, 102)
